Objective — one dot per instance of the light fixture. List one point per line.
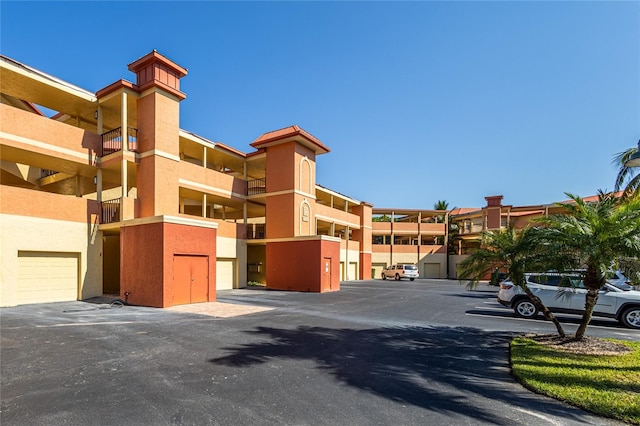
(95, 114)
(634, 160)
(95, 180)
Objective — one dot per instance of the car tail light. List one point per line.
(504, 286)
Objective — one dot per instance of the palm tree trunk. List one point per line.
(590, 302)
(545, 311)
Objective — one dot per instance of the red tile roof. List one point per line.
(270, 138)
(463, 210)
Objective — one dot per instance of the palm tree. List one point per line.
(595, 234)
(628, 175)
(441, 205)
(514, 251)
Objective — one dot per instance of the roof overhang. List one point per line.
(291, 134)
(24, 82)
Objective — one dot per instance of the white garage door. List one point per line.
(432, 270)
(225, 276)
(47, 277)
(377, 269)
(353, 271)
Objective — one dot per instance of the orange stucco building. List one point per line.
(111, 196)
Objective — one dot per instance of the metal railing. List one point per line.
(110, 211)
(257, 186)
(112, 140)
(45, 172)
(256, 231)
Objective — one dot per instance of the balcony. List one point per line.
(112, 140)
(256, 231)
(110, 211)
(257, 186)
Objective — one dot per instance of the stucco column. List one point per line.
(99, 186)
(204, 205)
(125, 148)
(346, 261)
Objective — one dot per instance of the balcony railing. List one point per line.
(256, 231)
(112, 140)
(110, 211)
(257, 186)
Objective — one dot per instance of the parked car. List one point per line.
(565, 293)
(618, 279)
(397, 272)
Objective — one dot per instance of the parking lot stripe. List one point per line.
(81, 324)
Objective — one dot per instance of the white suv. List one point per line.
(398, 272)
(618, 279)
(612, 301)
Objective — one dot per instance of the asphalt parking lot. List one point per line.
(377, 352)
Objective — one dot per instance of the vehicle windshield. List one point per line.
(411, 267)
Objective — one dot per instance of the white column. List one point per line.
(125, 146)
(123, 123)
(346, 261)
(100, 129)
(204, 205)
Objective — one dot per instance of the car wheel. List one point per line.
(384, 276)
(631, 317)
(397, 277)
(411, 279)
(525, 308)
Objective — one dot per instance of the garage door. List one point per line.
(353, 271)
(225, 276)
(431, 270)
(377, 269)
(47, 277)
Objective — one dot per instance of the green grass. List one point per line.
(603, 384)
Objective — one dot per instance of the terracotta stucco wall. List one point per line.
(188, 240)
(281, 167)
(66, 142)
(280, 216)
(146, 258)
(220, 183)
(47, 205)
(298, 265)
(339, 215)
(141, 264)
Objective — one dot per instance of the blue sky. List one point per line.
(419, 101)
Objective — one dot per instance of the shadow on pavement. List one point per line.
(439, 369)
